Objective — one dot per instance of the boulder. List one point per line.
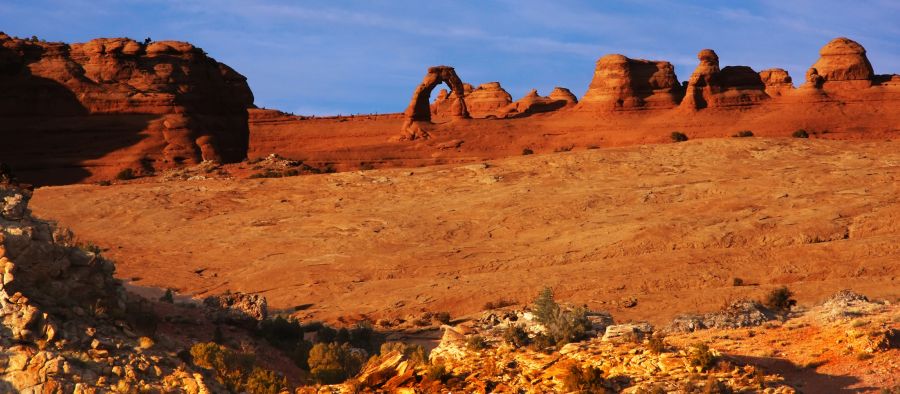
(621, 83)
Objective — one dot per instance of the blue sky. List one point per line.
(330, 57)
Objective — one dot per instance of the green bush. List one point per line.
(332, 363)
(800, 134)
(780, 299)
(678, 136)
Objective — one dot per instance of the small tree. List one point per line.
(545, 307)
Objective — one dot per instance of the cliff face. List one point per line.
(86, 111)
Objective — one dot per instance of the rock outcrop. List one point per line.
(123, 103)
(843, 64)
(621, 83)
(710, 87)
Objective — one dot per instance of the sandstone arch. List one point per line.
(419, 110)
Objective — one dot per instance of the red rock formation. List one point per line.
(123, 103)
(622, 83)
(777, 81)
(533, 103)
(843, 64)
(445, 102)
(488, 99)
(563, 94)
(418, 113)
(710, 87)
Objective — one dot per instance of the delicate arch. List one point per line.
(419, 109)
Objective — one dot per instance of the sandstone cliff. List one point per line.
(86, 111)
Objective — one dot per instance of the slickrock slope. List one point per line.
(84, 112)
(668, 225)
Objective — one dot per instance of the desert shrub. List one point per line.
(442, 317)
(542, 343)
(563, 325)
(800, 134)
(716, 386)
(527, 151)
(500, 303)
(125, 174)
(743, 134)
(678, 136)
(437, 372)
(701, 356)
(6, 173)
(476, 342)
(737, 282)
(236, 371)
(515, 335)
(365, 337)
(332, 363)
(657, 343)
(279, 331)
(168, 297)
(566, 148)
(324, 333)
(589, 380)
(780, 299)
(262, 381)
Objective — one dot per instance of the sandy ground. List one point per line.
(668, 225)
